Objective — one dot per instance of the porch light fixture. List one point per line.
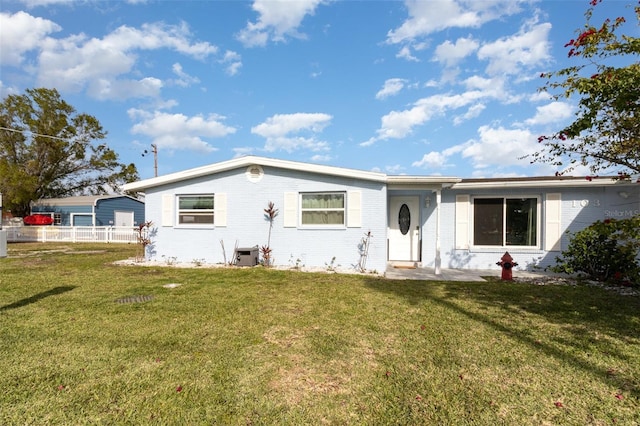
(427, 201)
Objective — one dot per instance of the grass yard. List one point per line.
(84, 341)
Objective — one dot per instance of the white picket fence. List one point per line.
(71, 234)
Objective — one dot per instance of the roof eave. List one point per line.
(420, 182)
(539, 183)
(248, 161)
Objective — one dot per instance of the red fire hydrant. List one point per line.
(507, 264)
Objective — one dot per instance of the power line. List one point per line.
(154, 147)
(28, 132)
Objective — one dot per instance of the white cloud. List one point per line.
(104, 89)
(481, 83)
(293, 143)
(432, 160)
(277, 20)
(451, 53)
(281, 131)
(283, 124)
(499, 147)
(321, 158)
(540, 96)
(507, 56)
(438, 160)
(179, 132)
(553, 112)
(427, 17)
(405, 53)
(495, 150)
(391, 87)
(7, 90)
(473, 112)
(234, 68)
(21, 33)
(184, 79)
(399, 124)
(78, 62)
(233, 62)
(34, 3)
(394, 170)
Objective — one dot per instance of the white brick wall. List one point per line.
(246, 224)
(579, 208)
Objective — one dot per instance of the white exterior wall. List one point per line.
(246, 225)
(579, 207)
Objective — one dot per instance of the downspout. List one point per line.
(438, 258)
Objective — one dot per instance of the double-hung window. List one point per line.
(195, 209)
(505, 222)
(323, 208)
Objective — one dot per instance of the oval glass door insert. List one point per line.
(404, 219)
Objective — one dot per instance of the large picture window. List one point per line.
(505, 221)
(195, 209)
(326, 208)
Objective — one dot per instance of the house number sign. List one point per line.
(585, 203)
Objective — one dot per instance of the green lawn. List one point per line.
(83, 341)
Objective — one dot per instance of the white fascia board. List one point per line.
(582, 183)
(421, 182)
(248, 161)
(320, 169)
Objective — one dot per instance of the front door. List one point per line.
(404, 229)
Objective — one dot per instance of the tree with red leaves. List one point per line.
(605, 133)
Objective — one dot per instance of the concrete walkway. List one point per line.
(428, 274)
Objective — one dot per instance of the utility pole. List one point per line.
(154, 149)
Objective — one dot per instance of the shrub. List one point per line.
(604, 251)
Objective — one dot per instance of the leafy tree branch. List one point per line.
(605, 134)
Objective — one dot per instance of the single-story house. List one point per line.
(325, 214)
(92, 210)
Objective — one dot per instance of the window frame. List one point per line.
(302, 210)
(202, 212)
(504, 244)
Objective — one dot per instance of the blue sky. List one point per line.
(427, 87)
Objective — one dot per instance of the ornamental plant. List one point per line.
(607, 250)
(270, 214)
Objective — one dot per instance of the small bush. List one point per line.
(605, 251)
